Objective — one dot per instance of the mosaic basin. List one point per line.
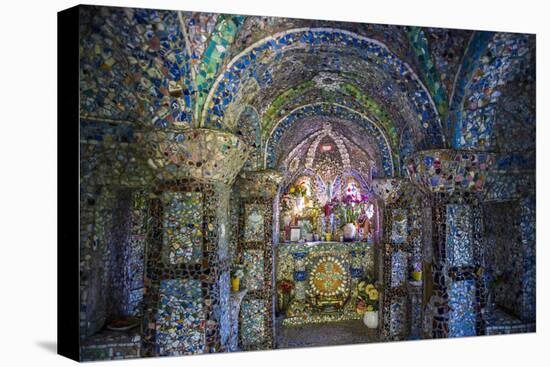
(202, 154)
(449, 170)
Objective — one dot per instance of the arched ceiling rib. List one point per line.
(315, 51)
(300, 122)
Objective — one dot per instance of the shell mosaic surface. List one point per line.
(451, 170)
(197, 130)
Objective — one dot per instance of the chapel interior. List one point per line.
(257, 183)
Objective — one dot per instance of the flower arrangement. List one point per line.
(284, 290)
(307, 227)
(286, 286)
(368, 296)
(349, 214)
(238, 271)
(298, 190)
(286, 202)
(353, 207)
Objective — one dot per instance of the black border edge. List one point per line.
(68, 187)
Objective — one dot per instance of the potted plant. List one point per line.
(237, 273)
(307, 230)
(368, 302)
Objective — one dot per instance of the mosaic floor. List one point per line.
(317, 335)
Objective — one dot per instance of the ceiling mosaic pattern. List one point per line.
(397, 78)
(134, 66)
(159, 68)
(328, 152)
(337, 111)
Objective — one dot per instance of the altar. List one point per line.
(317, 281)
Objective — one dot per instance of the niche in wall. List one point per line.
(503, 254)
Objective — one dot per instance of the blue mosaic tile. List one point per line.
(180, 318)
(462, 301)
(399, 268)
(459, 235)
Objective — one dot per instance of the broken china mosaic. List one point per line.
(243, 179)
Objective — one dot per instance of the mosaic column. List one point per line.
(356, 269)
(300, 278)
(257, 190)
(186, 301)
(454, 180)
(235, 307)
(415, 286)
(415, 306)
(394, 300)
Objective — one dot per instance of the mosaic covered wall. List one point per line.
(462, 318)
(180, 320)
(504, 259)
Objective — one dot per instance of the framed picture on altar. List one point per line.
(295, 234)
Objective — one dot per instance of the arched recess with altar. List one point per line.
(312, 217)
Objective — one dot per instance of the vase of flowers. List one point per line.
(299, 192)
(349, 215)
(349, 231)
(237, 273)
(353, 210)
(370, 319)
(368, 302)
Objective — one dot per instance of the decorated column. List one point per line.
(454, 182)
(186, 301)
(400, 303)
(299, 275)
(255, 246)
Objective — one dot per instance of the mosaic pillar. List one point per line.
(415, 307)
(394, 305)
(356, 268)
(454, 181)
(257, 190)
(300, 278)
(235, 307)
(186, 301)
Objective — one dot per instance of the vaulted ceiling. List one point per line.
(386, 90)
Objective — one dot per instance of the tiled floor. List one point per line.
(316, 335)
